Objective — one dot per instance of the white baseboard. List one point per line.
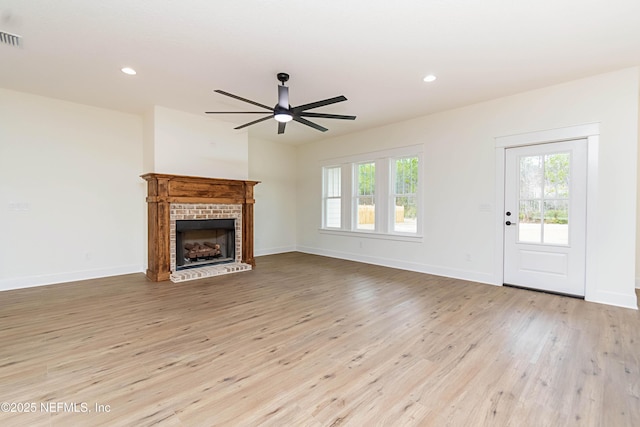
(614, 298)
(50, 279)
(403, 265)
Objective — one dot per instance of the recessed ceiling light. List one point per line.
(129, 71)
(430, 78)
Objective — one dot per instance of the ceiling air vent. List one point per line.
(10, 39)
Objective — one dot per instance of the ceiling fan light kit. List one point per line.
(282, 115)
(283, 112)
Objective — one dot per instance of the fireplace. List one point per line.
(202, 242)
(205, 235)
(217, 214)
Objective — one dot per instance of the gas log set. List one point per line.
(208, 250)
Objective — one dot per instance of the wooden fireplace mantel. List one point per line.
(163, 190)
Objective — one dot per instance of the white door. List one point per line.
(545, 216)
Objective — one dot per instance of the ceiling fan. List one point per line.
(283, 112)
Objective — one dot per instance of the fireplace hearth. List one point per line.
(185, 211)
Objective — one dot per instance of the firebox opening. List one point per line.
(204, 242)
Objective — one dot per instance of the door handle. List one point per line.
(510, 223)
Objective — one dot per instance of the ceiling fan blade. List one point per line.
(327, 116)
(318, 104)
(254, 122)
(235, 112)
(242, 99)
(281, 126)
(308, 123)
(283, 97)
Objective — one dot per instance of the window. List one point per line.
(404, 194)
(375, 193)
(365, 196)
(332, 204)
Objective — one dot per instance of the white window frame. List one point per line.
(393, 195)
(384, 200)
(355, 196)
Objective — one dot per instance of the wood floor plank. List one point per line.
(304, 340)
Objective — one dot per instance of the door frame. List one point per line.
(590, 132)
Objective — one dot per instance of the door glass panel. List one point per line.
(543, 215)
(531, 177)
(556, 175)
(556, 222)
(529, 222)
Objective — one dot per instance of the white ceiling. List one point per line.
(372, 51)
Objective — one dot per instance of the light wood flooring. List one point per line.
(304, 340)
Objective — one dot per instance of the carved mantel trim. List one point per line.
(163, 189)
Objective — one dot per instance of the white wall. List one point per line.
(71, 199)
(275, 210)
(459, 169)
(148, 144)
(189, 144)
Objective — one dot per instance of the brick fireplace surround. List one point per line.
(177, 197)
